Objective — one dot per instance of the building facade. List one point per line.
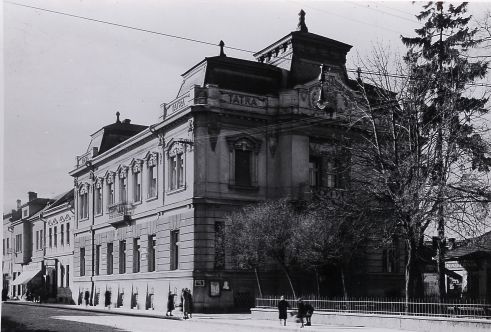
(151, 202)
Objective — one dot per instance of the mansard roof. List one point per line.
(234, 74)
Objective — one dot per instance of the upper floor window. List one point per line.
(62, 234)
(152, 175)
(315, 172)
(123, 185)
(37, 241)
(243, 160)
(109, 258)
(68, 233)
(83, 202)
(98, 196)
(55, 232)
(110, 188)
(137, 181)
(176, 155)
(50, 237)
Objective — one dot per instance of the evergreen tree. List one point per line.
(441, 75)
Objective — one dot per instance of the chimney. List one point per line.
(32, 195)
(126, 121)
(19, 203)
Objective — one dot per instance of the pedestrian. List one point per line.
(283, 306)
(107, 299)
(302, 311)
(170, 304)
(184, 303)
(191, 304)
(87, 297)
(308, 315)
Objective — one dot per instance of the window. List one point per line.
(82, 262)
(8, 244)
(314, 172)
(390, 261)
(122, 256)
(174, 250)
(110, 189)
(219, 245)
(68, 276)
(55, 237)
(25, 213)
(4, 246)
(109, 258)
(97, 259)
(152, 244)
(83, 202)
(136, 255)
(176, 162)
(243, 168)
(152, 175)
(243, 160)
(50, 237)
(62, 275)
(37, 242)
(68, 233)
(18, 243)
(98, 197)
(42, 241)
(62, 234)
(123, 187)
(137, 182)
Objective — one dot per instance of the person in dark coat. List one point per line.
(107, 299)
(170, 304)
(283, 306)
(87, 298)
(191, 305)
(308, 314)
(302, 311)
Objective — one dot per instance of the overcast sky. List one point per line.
(66, 77)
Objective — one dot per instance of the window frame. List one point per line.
(136, 171)
(174, 249)
(244, 142)
(83, 208)
(152, 169)
(99, 197)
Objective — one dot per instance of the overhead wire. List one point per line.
(213, 44)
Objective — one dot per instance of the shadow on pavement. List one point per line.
(9, 325)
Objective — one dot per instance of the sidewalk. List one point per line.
(242, 322)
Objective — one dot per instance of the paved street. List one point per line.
(42, 319)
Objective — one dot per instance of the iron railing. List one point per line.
(120, 210)
(462, 308)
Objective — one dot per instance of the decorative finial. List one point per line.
(301, 22)
(221, 44)
(117, 117)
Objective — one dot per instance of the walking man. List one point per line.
(302, 311)
(283, 306)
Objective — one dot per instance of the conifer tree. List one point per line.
(442, 74)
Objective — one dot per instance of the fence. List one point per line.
(463, 308)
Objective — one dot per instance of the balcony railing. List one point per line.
(120, 212)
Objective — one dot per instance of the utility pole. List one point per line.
(92, 231)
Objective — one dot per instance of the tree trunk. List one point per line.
(289, 281)
(258, 283)
(407, 288)
(343, 282)
(317, 282)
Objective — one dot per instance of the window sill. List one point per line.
(243, 188)
(98, 214)
(149, 199)
(175, 191)
(137, 202)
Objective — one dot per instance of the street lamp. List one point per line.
(90, 166)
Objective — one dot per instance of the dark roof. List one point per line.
(234, 74)
(118, 132)
(66, 197)
(477, 246)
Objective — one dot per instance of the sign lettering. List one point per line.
(243, 100)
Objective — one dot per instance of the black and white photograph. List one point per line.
(248, 165)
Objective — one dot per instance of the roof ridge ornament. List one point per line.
(117, 117)
(302, 27)
(222, 45)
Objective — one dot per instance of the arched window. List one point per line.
(244, 152)
(83, 207)
(136, 175)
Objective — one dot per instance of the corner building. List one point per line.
(151, 201)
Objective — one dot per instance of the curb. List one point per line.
(97, 310)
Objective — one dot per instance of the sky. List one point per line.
(65, 77)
